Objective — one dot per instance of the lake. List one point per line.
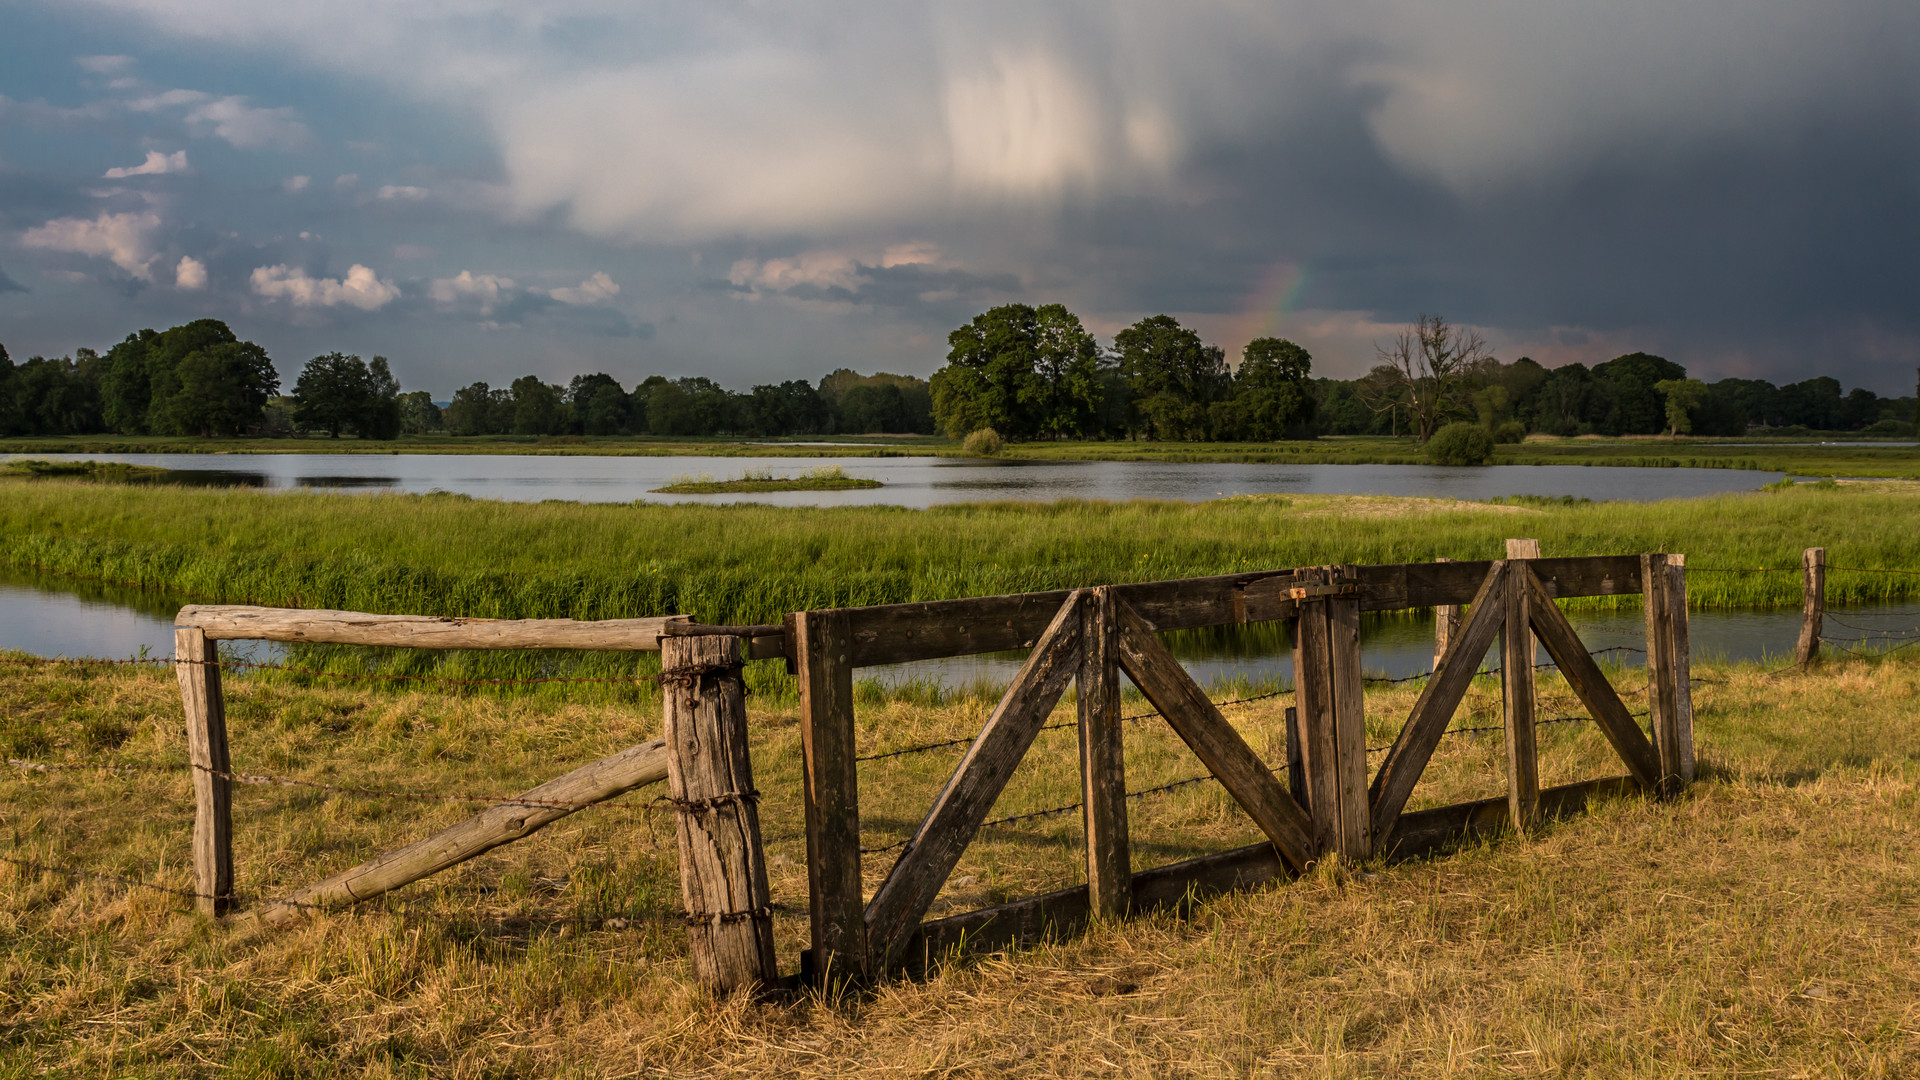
(921, 481)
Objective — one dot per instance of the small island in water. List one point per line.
(826, 478)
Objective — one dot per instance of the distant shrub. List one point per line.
(1888, 426)
(1540, 502)
(1461, 444)
(982, 443)
(1513, 431)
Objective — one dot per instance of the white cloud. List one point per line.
(361, 288)
(190, 275)
(294, 185)
(597, 289)
(157, 164)
(121, 238)
(231, 118)
(401, 191)
(485, 290)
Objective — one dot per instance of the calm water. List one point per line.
(924, 481)
(55, 617)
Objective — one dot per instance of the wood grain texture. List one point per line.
(1355, 835)
(1180, 885)
(1517, 699)
(1446, 623)
(1219, 747)
(723, 870)
(504, 823)
(1313, 698)
(423, 631)
(198, 669)
(898, 633)
(1103, 773)
(1813, 605)
(922, 869)
(1682, 666)
(830, 785)
(1590, 685)
(1663, 696)
(1438, 699)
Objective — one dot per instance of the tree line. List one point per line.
(1026, 372)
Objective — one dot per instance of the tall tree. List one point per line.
(1172, 375)
(1638, 409)
(1272, 396)
(331, 393)
(1680, 397)
(539, 408)
(992, 377)
(1427, 366)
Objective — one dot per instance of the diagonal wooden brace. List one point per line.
(1214, 741)
(916, 879)
(1393, 784)
(1557, 634)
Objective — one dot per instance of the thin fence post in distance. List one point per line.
(1446, 623)
(1813, 605)
(1519, 691)
(1103, 758)
(197, 663)
(723, 869)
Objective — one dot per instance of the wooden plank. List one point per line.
(1663, 697)
(1349, 729)
(198, 669)
(1519, 692)
(1179, 885)
(423, 631)
(916, 879)
(1682, 665)
(723, 868)
(1103, 774)
(898, 633)
(1313, 697)
(1441, 695)
(1813, 605)
(1591, 686)
(500, 824)
(1214, 741)
(1446, 623)
(1296, 759)
(830, 786)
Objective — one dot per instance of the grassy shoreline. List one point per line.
(452, 555)
(1761, 924)
(825, 478)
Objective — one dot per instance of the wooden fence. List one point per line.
(1089, 637)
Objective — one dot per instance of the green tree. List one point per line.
(419, 415)
(1637, 408)
(1173, 377)
(581, 394)
(1424, 373)
(992, 376)
(469, 413)
(331, 393)
(539, 408)
(1681, 397)
(220, 390)
(141, 382)
(1272, 395)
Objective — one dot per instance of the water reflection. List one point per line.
(925, 481)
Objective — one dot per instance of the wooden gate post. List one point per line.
(197, 664)
(1813, 605)
(723, 871)
(1518, 690)
(823, 657)
(1329, 695)
(1446, 623)
(1669, 705)
(1103, 774)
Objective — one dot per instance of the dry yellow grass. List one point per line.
(1766, 924)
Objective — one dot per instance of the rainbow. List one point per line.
(1275, 297)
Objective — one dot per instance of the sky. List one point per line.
(756, 192)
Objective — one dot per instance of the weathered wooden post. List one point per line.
(1446, 623)
(1813, 605)
(1329, 694)
(1103, 759)
(1669, 702)
(1518, 689)
(1296, 760)
(723, 872)
(822, 643)
(197, 664)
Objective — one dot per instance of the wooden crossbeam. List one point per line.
(1393, 784)
(1590, 685)
(1198, 722)
(922, 870)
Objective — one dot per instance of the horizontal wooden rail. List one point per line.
(231, 623)
(898, 633)
(1419, 833)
